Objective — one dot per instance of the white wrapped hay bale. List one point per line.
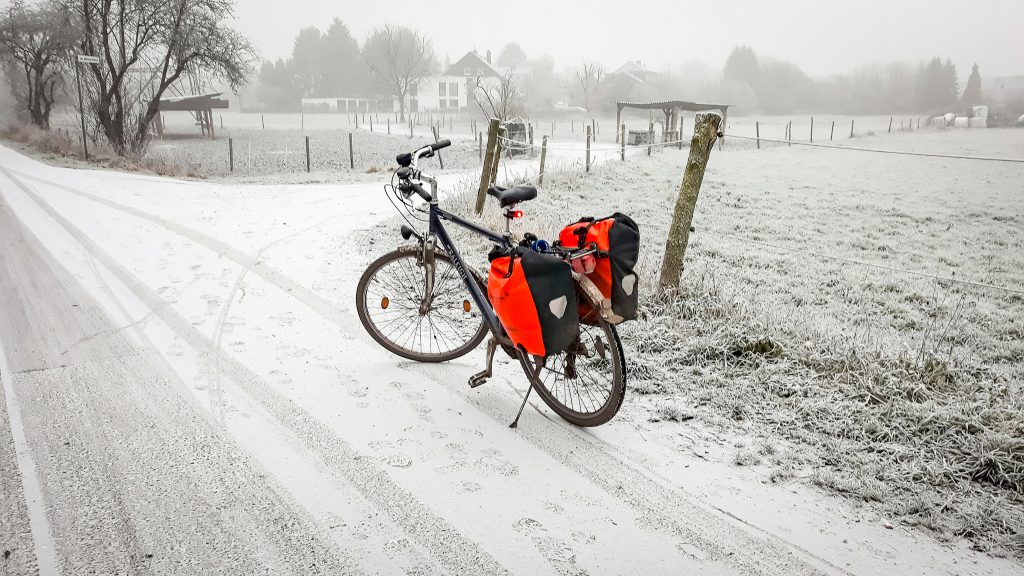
(962, 122)
(950, 118)
(939, 122)
(980, 112)
(978, 123)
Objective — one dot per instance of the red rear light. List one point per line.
(517, 214)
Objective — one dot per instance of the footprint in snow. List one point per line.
(554, 507)
(466, 487)
(237, 347)
(398, 461)
(396, 547)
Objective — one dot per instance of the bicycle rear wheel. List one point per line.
(389, 300)
(586, 384)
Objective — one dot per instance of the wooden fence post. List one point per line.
(307, 154)
(650, 133)
(705, 132)
(543, 158)
(890, 125)
(410, 129)
(757, 126)
(231, 155)
(480, 145)
(812, 129)
(485, 170)
(440, 158)
(851, 128)
(679, 139)
(389, 125)
(351, 153)
(832, 135)
(498, 149)
(302, 121)
(622, 142)
(371, 122)
(533, 151)
(588, 148)
(263, 121)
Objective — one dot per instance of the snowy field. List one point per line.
(238, 299)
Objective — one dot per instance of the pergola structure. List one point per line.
(201, 107)
(671, 109)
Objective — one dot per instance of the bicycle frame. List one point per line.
(436, 229)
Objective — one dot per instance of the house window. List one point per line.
(453, 90)
(442, 89)
(443, 104)
(453, 103)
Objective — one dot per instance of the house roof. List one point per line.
(476, 66)
(635, 71)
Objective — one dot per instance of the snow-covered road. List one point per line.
(187, 390)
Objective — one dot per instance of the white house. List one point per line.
(453, 89)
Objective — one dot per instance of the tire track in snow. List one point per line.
(721, 537)
(439, 539)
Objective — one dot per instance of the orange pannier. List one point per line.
(534, 297)
(617, 241)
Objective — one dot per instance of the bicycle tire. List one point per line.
(375, 331)
(617, 392)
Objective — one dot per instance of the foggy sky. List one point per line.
(821, 36)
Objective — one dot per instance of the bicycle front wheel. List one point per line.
(396, 312)
(586, 384)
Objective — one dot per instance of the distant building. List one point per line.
(453, 89)
(634, 72)
(340, 105)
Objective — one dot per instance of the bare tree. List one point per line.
(35, 45)
(588, 81)
(500, 98)
(145, 47)
(401, 59)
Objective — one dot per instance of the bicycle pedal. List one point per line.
(478, 379)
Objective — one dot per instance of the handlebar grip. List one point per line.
(439, 145)
(419, 190)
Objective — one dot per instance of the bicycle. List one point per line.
(423, 303)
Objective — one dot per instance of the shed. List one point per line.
(671, 109)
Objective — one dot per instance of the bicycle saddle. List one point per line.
(509, 196)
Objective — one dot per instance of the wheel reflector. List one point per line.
(466, 306)
(385, 302)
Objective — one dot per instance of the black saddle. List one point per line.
(509, 196)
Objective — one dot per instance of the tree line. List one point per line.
(779, 87)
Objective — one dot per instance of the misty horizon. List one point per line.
(823, 39)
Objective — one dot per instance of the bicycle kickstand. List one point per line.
(480, 378)
(515, 423)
